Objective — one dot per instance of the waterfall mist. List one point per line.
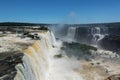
(40, 63)
(64, 30)
(51, 59)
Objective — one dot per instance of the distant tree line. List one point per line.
(20, 24)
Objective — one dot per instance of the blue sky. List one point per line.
(60, 11)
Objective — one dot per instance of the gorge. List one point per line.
(36, 54)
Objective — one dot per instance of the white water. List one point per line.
(35, 62)
(53, 39)
(63, 68)
(39, 62)
(71, 34)
(98, 33)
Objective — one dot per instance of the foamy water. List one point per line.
(39, 63)
(63, 68)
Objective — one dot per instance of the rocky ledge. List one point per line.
(11, 53)
(114, 77)
(7, 66)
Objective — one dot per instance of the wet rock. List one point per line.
(92, 63)
(88, 59)
(58, 56)
(7, 66)
(110, 42)
(114, 77)
(98, 63)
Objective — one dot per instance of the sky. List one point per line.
(60, 11)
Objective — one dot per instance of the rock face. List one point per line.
(110, 42)
(96, 34)
(7, 66)
(114, 77)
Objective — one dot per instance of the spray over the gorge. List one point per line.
(60, 52)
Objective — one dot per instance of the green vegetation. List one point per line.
(76, 49)
(20, 24)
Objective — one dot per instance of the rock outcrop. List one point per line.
(114, 77)
(7, 66)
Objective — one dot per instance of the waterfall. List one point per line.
(35, 61)
(98, 33)
(39, 62)
(53, 39)
(71, 34)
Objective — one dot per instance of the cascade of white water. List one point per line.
(71, 33)
(39, 62)
(35, 61)
(53, 39)
(98, 33)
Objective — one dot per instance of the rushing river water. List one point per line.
(48, 59)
